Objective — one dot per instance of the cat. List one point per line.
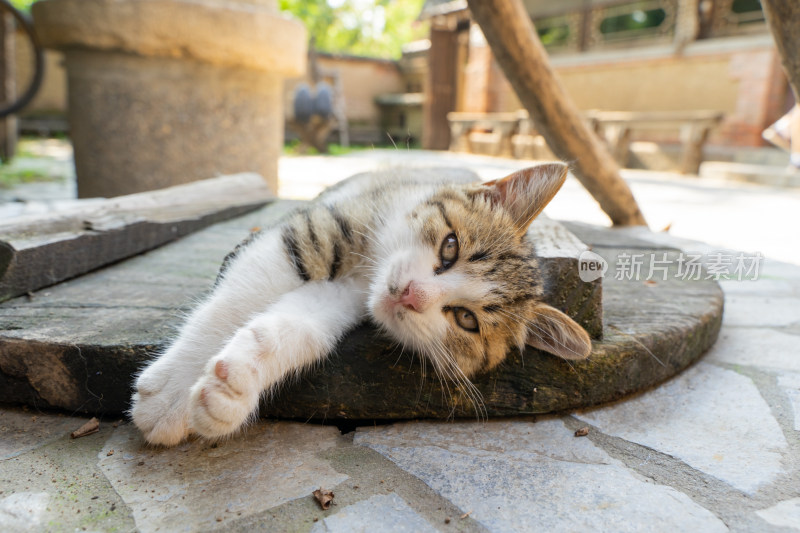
(442, 265)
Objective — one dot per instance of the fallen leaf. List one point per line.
(324, 497)
(650, 283)
(92, 426)
(582, 432)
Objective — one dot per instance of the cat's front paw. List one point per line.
(227, 393)
(160, 407)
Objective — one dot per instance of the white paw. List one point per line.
(227, 393)
(161, 406)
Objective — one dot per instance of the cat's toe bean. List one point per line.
(221, 370)
(217, 410)
(236, 375)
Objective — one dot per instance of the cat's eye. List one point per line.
(465, 319)
(448, 251)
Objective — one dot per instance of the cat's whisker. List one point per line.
(369, 237)
(640, 343)
(364, 257)
(452, 372)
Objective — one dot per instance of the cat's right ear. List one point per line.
(552, 331)
(525, 192)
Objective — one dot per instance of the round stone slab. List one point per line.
(79, 344)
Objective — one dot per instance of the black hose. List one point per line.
(36, 82)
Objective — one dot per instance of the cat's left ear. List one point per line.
(525, 192)
(552, 331)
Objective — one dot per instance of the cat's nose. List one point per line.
(412, 298)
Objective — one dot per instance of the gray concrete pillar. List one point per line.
(163, 92)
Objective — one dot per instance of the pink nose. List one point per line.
(411, 298)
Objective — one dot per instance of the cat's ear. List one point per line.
(552, 331)
(525, 192)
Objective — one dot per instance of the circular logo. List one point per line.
(591, 266)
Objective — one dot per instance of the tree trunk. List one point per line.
(784, 22)
(515, 44)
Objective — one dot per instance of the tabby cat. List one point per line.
(443, 266)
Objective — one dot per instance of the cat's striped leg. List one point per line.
(300, 329)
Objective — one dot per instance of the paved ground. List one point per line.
(716, 448)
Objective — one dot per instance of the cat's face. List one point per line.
(458, 280)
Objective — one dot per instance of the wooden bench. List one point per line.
(497, 129)
(512, 134)
(694, 127)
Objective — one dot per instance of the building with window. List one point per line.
(620, 55)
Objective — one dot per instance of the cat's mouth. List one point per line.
(397, 316)
(392, 308)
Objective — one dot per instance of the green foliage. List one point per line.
(22, 5)
(374, 28)
(10, 176)
(554, 35)
(638, 19)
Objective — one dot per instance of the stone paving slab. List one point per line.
(60, 487)
(735, 437)
(783, 514)
(25, 430)
(789, 382)
(520, 476)
(378, 514)
(197, 485)
(780, 352)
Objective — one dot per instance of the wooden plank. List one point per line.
(694, 126)
(656, 119)
(38, 251)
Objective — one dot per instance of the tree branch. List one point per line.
(514, 42)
